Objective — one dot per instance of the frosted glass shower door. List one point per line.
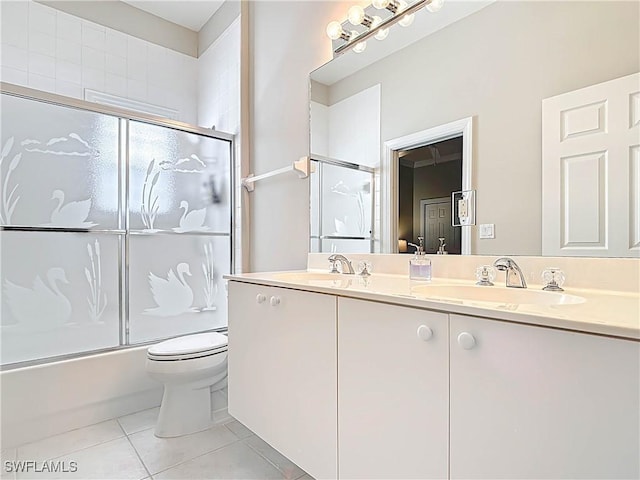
(341, 208)
(59, 166)
(60, 294)
(115, 228)
(180, 231)
(62, 233)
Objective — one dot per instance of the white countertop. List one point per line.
(603, 312)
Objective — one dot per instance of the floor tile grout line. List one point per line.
(153, 426)
(197, 456)
(69, 431)
(80, 449)
(267, 459)
(144, 465)
(135, 413)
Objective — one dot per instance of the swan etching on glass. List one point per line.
(73, 214)
(43, 305)
(172, 295)
(191, 220)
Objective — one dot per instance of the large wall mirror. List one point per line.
(493, 63)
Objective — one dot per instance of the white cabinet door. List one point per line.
(591, 171)
(531, 402)
(282, 371)
(392, 391)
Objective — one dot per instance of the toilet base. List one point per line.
(183, 411)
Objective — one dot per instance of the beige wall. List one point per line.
(497, 65)
(287, 41)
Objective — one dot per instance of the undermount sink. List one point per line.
(502, 295)
(314, 278)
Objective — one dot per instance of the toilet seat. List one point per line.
(188, 347)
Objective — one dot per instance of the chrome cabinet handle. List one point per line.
(275, 301)
(261, 298)
(424, 333)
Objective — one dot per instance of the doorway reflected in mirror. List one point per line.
(426, 177)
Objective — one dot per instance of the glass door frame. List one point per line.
(322, 160)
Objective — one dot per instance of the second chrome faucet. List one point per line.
(347, 268)
(513, 274)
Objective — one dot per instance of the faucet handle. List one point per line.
(553, 278)
(364, 268)
(485, 274)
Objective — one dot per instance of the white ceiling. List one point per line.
(192, 14)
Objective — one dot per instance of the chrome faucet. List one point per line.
(513, 274)
(347, 268)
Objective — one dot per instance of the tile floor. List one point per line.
(126, 448)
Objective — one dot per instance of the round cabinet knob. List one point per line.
(260, 298)
(466, 340)
(275, 301)
(424, 333)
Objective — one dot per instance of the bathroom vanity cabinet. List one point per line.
(426, 394)
(282, 371)
(535, 402)
(393, 391)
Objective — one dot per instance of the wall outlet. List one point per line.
(487, 230)
(462, 208)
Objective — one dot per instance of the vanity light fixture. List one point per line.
(335, 32)
(435, 5)
(374, 21)
(406, 20)
(356, 16)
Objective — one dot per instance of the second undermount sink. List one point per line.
(314, 278)
(502, 295)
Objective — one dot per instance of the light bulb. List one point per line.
(383, 32)
(380, 4)
(435, 5)
(407, 20)
(334, 30)
(356, 15)
(360, 46)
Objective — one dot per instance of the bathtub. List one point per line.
(43, 400)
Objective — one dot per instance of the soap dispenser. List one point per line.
(419, 265)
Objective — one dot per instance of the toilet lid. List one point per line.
(190, 344)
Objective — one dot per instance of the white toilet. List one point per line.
(188, 367)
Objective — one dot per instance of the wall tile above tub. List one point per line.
(42, 43)
(15, 57)
(36, 39)
(15, 24)
(68, 27)
(42, 19)
(69, 51)
(93, 36)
